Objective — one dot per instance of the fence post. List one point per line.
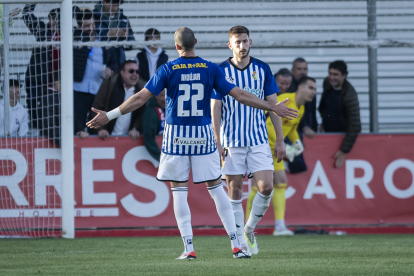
(6, 88)
(372, 65)
(66, 64)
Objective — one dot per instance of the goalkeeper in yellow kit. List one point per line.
(306, 92)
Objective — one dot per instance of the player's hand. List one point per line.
(339, 158)
(298, 146)
(308, 132)
(285, 112)
(221, 154)
(99, 120)
(133, 134)
(103, 134)
(280, 151)
(82, 134)
(290, 152)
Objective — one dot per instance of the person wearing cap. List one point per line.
(113, 92)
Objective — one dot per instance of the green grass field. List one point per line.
(298, 255)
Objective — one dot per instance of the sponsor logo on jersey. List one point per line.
(230, 79)
(253, 91)
(190, 77)
(189, 66)
(189, 141)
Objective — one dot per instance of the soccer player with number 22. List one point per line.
(188, 141)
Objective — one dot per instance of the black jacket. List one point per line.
(41, 58)
(144, 73)
(348, 111)
(110, 95)
(80, 57)
(49, 115)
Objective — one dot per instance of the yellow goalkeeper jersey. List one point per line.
(289, 126)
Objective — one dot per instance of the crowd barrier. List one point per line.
(115, 184)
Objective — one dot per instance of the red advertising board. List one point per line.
(115, 184)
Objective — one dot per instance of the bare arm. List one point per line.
(216, 114)
(249, 99)
(280, 150)
(134, 102)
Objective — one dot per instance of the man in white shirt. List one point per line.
(18, 114)
(113, 92)
(91, 66)
(151, 57)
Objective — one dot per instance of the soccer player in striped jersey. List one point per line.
(305, 93)
(188, 141)
(243, 133)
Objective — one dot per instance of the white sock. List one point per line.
(280, 224)
(188, 244)
(225, 212)
(259, 207)
(236, 204)
(183, 215)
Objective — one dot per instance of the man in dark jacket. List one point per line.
(151, 57)
(49, 115)
(42, 59)
(339, 108)
(113, 92)
(91, 66)
(153, 124)
(113, 25)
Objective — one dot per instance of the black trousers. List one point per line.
(82, 104)
(298, 164)
(34, 102)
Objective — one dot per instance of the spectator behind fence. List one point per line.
(153, 124)
(18, 114)
(308, 126)
(111, 23)
(339, 108)
(49, 117)
(112, 93)
(151, 57)
(91, 66)
(283, 79)
(44, 60)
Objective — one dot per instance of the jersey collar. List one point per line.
(240, 69)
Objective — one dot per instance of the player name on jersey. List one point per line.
(190, 77)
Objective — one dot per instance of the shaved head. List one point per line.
(184, 37)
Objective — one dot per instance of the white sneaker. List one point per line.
(282, 232)
(252, 245)
(241, 253)
(189, 256)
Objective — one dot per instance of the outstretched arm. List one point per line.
(134, 102)
(280, 150)
(249, 99)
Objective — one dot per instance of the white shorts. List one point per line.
(250, 159)
(176, 168)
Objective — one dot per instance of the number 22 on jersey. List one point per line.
(181, 112)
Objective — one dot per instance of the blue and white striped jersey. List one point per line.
(242, 125)
(189, 84)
